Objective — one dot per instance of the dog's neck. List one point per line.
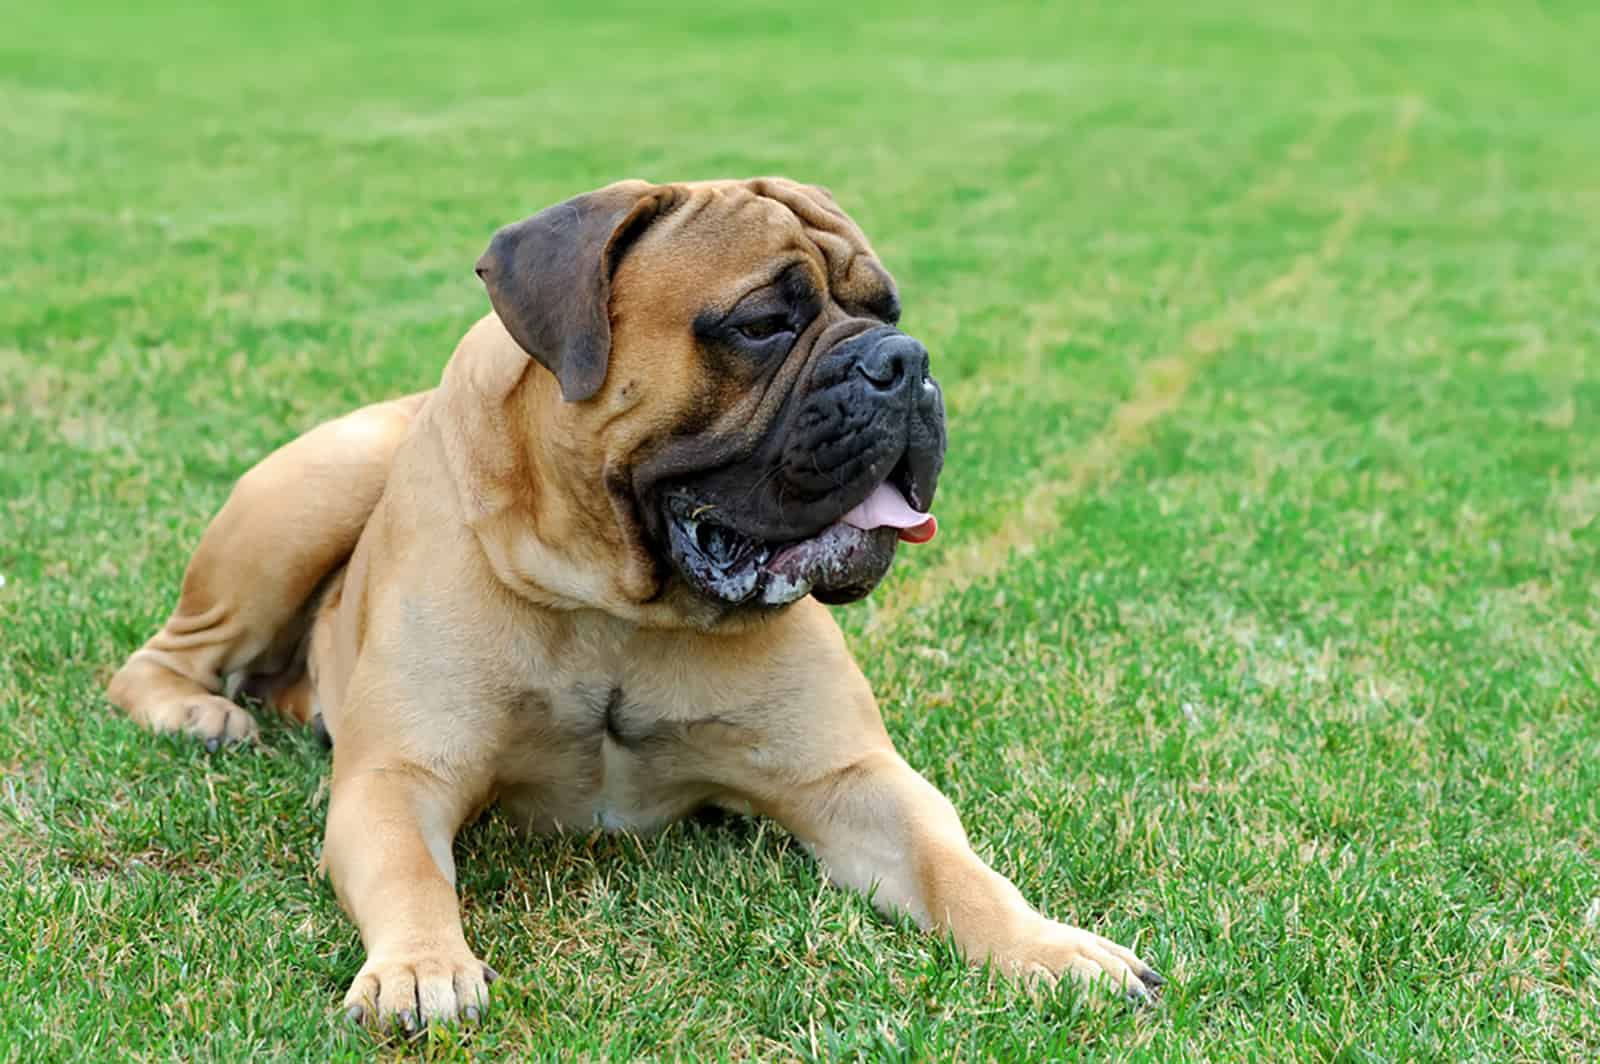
(511, 460)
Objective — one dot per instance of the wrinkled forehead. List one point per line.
(737, 235)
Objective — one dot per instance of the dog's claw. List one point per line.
(489, 974)
(470, 1014)
(213, 744)
(354, 1015)
(1146, 993)
(408, 1020)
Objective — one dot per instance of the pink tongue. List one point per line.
(887, 508)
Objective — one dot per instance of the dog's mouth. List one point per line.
(840, 563)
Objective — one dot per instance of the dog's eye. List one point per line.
(764, 328)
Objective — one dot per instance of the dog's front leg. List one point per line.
(881, 828)
(390, 830)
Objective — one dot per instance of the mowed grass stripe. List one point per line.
(1050, 323)
(1160, 387)
(1079, 358)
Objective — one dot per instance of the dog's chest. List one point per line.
(590, 755)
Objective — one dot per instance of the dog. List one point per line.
(584, 578)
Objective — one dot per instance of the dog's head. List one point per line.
(730, 351)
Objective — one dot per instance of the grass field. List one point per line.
(1260, 634)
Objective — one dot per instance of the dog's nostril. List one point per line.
(892, 361)
(884, 365)
(884, 373)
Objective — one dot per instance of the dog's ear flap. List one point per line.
(549, 279)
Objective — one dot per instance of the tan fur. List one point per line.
(444, 581)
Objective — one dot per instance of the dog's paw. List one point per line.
(1059, 951)
(211, 719)
(409, 991)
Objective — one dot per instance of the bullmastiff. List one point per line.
(585, 577)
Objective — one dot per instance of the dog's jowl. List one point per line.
(584, 578)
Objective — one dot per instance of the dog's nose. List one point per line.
(892, 361)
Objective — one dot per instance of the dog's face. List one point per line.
(731, 350)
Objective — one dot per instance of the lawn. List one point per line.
(1260, 634)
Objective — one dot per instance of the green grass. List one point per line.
(1294, 685)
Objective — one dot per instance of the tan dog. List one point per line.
(582, 591)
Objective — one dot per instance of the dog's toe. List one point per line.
(412, 993)
(217, 722)
(1062, 951)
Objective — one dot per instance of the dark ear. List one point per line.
(549, 279)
